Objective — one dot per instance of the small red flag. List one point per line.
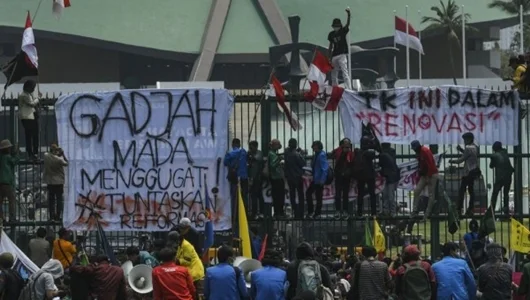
(280, 97)
(263, 247)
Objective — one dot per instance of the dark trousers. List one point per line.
(256, 197)
(504, 184)
(342, 193)
(318, 189)
(7, 191)
(278, 196)
(466, 183)
(55, 201)
(244, 194)
(294, 188)
(366, 186)
(31, 133)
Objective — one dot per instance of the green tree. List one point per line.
(510, 7)
(449, 20)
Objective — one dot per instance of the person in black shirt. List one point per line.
(390, 171)
(364, 173)
(294, 170)
(338, 51)
(343, 156)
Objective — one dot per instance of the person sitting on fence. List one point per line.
(63, 250)
(9, 158)
(54, 163)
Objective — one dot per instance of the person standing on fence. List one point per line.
(364, 172)
(276, 176)
(54, 163)
(500, 161)
(28, 114)
(343, 157)
(428, 172)
(338, 50)
(236, 162)
(255, 170)
(9, 158)
(320, 168)
(294, 172)
(471, 172)
(390, 171)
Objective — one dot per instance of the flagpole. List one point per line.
(36, 12)
(521, 28)
(349, 53)
(464, 68)
(419, 53)
(395, 62)
(408, 39)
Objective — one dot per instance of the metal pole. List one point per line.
(464, 69)
(394, 33)
(419, 53)
(349, 56)
(408, 42)
(521, 28)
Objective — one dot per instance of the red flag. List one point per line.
(59, 6)
(334, 98)
(280, 97)
(263, 247)
(319, 68)
(400, 35)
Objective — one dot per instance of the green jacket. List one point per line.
(275, 168)
(7, 168)
(500, 161)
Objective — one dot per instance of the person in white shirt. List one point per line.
(28, 114)
(54, 176)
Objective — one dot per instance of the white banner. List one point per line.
(435, 115)
(139, 158)
(23, 265)
(409, 179)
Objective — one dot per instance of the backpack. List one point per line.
(416, 283)
(309, 278)
(29, 292)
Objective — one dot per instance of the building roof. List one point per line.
(178, 25)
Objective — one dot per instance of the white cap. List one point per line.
(185, 222)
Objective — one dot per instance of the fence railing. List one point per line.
(254, 118)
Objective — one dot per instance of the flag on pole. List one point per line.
(26, 63)
(244, 234)
(318, 71)
(368, 238)
(59, 6)
(519, 237)
(328, 99)
(208, 227)
(280, 98)
(400, 35)
(487, 224)
(379, 238)
(263, 247)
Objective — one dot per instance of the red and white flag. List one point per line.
(280, 98)
(28, 44)
(329, 99)
(59, 6)
(400, 35)
(318, 70)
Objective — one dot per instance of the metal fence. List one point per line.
(256, 118)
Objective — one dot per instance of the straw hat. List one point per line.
(4, 144)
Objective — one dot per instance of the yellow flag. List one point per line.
(519, 237)
(379, 238)
(244, 235)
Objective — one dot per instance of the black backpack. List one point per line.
(416, 284)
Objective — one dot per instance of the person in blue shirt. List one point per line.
(268, 282)
(320, 167)
(454, 278)
(472, 235)
(236, 160)
(223, 281)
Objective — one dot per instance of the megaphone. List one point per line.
(247, 266)
(127, 267)
(141, 279)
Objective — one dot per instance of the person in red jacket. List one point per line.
(428, 172)
(170, 281)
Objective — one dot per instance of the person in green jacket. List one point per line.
(276, 177)
(500, 161)
(8, 161)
